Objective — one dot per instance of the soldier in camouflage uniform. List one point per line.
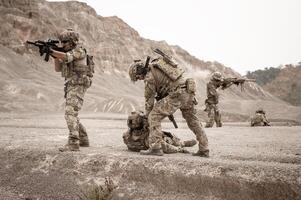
(77, 68)
(136, 138)
(211, 102)
(165, 79)
(259, 119)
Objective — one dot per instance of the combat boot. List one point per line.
(69, 147)
(202, 153)
(208, 125)
(188, 143)
(156, 152)
(84, 142)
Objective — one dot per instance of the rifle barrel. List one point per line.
(251, 80)
(29, 42)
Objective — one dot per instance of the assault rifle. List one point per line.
(45, 47)
(170, 117)
(237, 81)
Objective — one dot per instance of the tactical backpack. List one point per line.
(167, 65)
(173, 72)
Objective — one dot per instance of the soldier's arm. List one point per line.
(212, 90)
(265, 119)
(59, 55)
(75, 54)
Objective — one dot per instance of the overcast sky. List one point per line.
(241, 34)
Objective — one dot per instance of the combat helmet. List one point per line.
(260, 110)
(69, 35)
(135, 69)
(216, 76)
(136, 120)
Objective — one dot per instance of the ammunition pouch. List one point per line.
(85, 81)
(80, 69)
(66, 70)
(90, 64)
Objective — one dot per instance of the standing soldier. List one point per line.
(77, 68)
(164, 79)
(211, 102)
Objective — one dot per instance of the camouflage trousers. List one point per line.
(172, 145)
(74, 102)
(184, 101)
(214, 115)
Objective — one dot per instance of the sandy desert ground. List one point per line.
(245, 162)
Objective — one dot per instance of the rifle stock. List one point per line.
(172, 119)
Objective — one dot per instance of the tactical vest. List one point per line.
(78, 68)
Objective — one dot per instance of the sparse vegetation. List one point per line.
(283, 82)
(97, 192)
(264, 76)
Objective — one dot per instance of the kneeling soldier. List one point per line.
(259, 119)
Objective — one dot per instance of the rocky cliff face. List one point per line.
(29, 83)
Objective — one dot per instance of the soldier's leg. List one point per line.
(210, 121)
(169, 148)
(196, 127)
(188, 143)
(217, 116)
(83, 136)
(74, 103)
(175, 141)
(162, 109)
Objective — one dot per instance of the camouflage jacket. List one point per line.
(75, 64)
(212, 94)
(158, 83)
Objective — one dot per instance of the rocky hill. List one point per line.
(30, 84)
(283, 82)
